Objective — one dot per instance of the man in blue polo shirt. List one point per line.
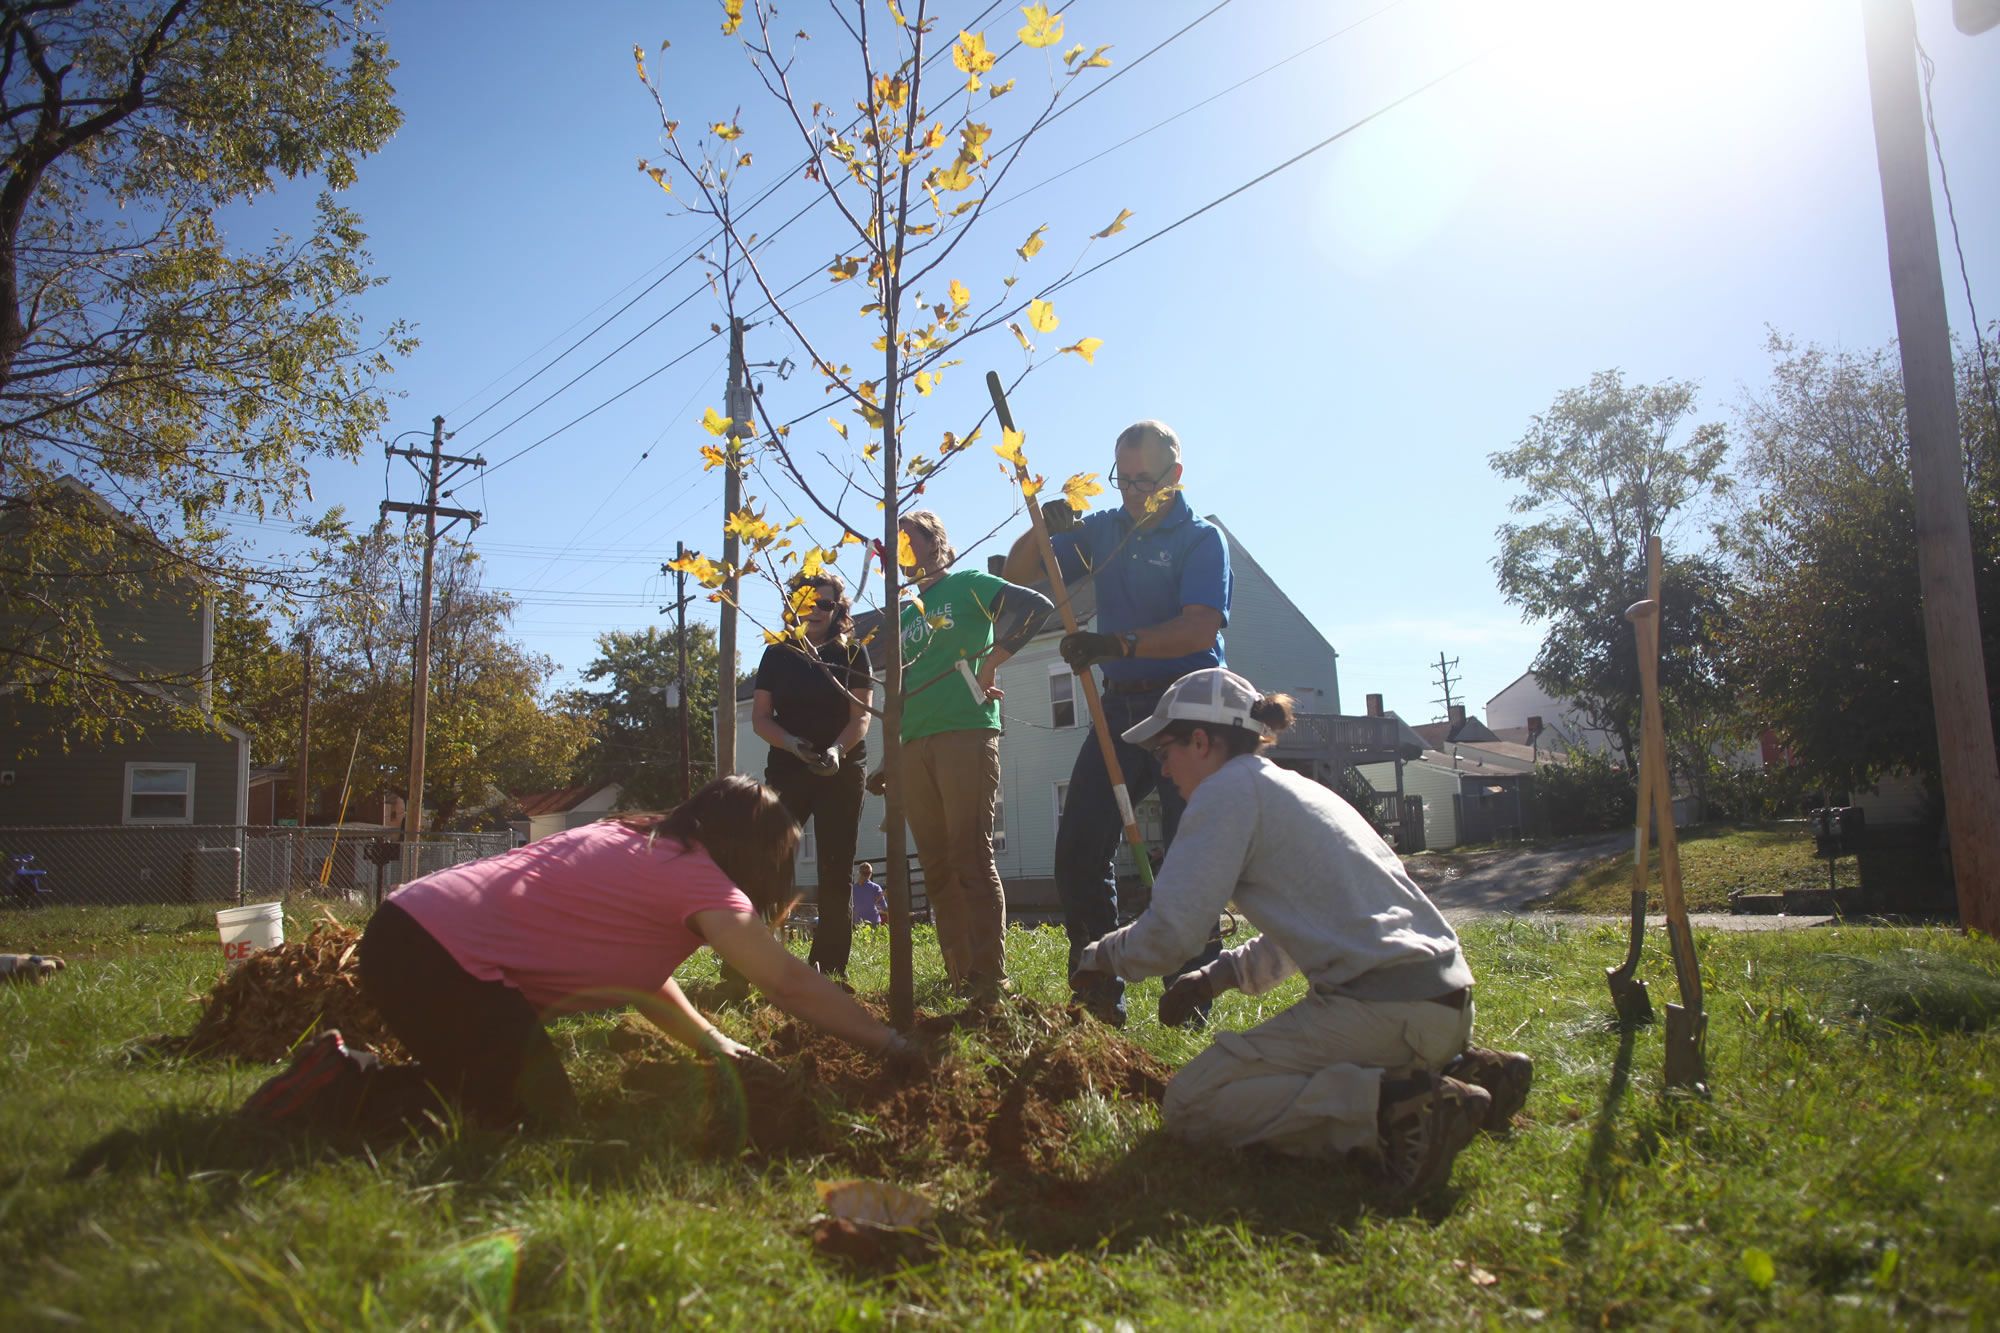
(1161, 578)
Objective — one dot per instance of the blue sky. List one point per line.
(1340, 348)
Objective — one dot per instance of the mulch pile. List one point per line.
(259, 1011)
(1001, 1103)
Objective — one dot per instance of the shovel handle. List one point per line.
(1053, 567)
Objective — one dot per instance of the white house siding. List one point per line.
(1897, 799)
(1268, 640)
(1436, 785)
(1526, 698)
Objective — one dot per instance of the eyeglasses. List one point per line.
(1163, 744)
(1138, 483)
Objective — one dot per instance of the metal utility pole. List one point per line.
(1966, 756)
(741, 408)
(413, 810)
(1446, 680)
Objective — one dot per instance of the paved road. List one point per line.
(1475, 883)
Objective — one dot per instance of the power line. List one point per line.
(1951, 213)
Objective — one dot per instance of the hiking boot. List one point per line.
(1506, 1076)
(289, 1096)
(1425, 1121)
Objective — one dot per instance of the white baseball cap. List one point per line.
(1214, 694)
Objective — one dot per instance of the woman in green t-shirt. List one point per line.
(957, 630)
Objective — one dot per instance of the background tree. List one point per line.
(141, 353)
(1601, 472)
(1831, 641)
(635, 733)
(906, 157)
(494, 730)
(258, 679)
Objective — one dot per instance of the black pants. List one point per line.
(479, 1045)
(833, 804)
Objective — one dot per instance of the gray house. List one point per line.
(1269, 641)
(186, 788)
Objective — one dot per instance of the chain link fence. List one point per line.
(220, 863)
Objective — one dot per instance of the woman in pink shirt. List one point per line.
(464, 964)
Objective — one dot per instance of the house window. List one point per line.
(159, 793)
(999, 822)
(1062, 796)
(1062, 696)
(806, 849)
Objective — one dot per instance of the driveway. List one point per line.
(1503, 880)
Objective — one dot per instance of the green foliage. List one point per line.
(174, 374)
(1919, 988)
(258, 681)
(635, 736)
(1831, 639)
(1606, 468)
(1715, 862)
(1587, 793)
(136, 1200)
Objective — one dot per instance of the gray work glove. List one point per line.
(1089, 969)
(826, 763)
(903, 1051)
(1057, 516)
(1196, 989)
(720, 1047)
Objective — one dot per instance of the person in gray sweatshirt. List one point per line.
(1372, 1064)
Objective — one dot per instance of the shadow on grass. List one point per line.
(1600, 1175)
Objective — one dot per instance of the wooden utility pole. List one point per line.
(436, 458)
(305, 749)
(681, 641)
(741, 407)
(1966, 756)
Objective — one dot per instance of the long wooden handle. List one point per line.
(1653, 754)
(1105, 741)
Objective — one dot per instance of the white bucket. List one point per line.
(245, 930)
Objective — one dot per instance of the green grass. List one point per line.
(1844, 1174)
(1715, 862)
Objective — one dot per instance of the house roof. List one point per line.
(555, 802)
(1439, 734)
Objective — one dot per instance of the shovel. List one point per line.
(1687, 1024)
(1628, 992)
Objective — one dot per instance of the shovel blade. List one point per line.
(1687, 1032)
(1629, 997)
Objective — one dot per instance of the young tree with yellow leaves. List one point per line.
(910, 174)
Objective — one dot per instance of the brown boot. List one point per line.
(1425, 1121)
(1506, 1076)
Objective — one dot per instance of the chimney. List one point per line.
(996, 565)
(1457, 713)
(1374, 705)
(1534, 727)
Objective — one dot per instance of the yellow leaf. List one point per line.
(1033, 245)
(743, 161)
(1161, 498)
(935, 139)
(1000, 88)
(1043, 29)
(712, 457)
(705, 572)
(1009, 447)
(961, 296)
(838, 425)
(726, 132)
(1085, 348)
(905, 556)
(1031, 486)
(898, 13)
(659, 177)
(749, 526)
(1078, 490)
(974, 137)
(970, 203)
(713, 424)
(1097, 59)
(870, 414)
(1042, 317)
(732, 11)
(869, 450)
(954, 178)
(924, 381)
(1070, 55)
(802, 599)
(844, 269)
(892, 91)
(814, 562)
(847, 537)
(969, 53)
(1117, 225)
(1026, 346)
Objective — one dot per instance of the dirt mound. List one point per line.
(996, 1095)
(260, 1010)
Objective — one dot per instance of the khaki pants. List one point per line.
(951, 779)
(1308, 1082)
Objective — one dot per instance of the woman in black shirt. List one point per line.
(814, 712)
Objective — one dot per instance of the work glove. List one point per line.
(903, 1051)
(878, 782)
(29, 967)
(1058, 516)
(805, 750)
(826, 763)
(719, 1046)
(1085, 649)
(1195, 989)
(1090, 969)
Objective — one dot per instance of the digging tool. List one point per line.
(1060, 595)
(1687, 1024)
(1628, 992)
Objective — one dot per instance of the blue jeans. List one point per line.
(1092, 827)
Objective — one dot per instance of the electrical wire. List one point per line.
(1951, 213)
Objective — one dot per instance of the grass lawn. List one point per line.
(1715, 862)
(1844, 1174)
